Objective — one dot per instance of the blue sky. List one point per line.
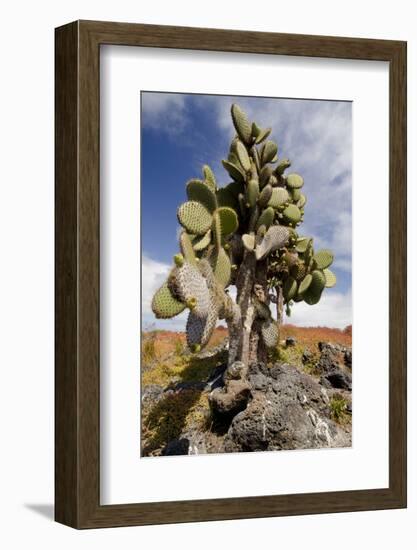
(181, 132)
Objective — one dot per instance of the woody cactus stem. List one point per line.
(243, 234)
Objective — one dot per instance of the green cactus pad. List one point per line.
(263, 134)
(187, 247)
(270, 334)
(241, 123)
(301, 201)
(304, 285)
(282, 166)
(242, 154)
(330, 278)
(201, 192)
(248, 242)
(266, 218)
(276, 237)
(209, 177)
(289, 289)
(323, 258)
(269, 151)
(194, 217)
(290, 258)
(202, 242)
(228, 220)
(265, 195)
(310, 298)
(265, 175)
(279, 197)
(256, 159)
(295, 181)
(256, 130)
(164, 305)
(318, 282)
(303, 244)
(295, 195)
(234, 171)
(222, 267)
(252, 193)
(291, 214)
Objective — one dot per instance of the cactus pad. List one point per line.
(187, 283)
(263, 134)
(199, 329)
(265, 195)
(187, 247)
(266, 218)
(295, 181)
(305, 283)
(269, 151)
(282, 166)
(270, 334)
(222, 267)
(318, 282)
(242, 155)
(276, 237)
(252, 192)
(330, 278)
(323, 258)
(279, 197)
(209, 177)
(289, 289)
(164, 305)
(202, 242)
(292, 214)
(234, 170)
(202, 193)
(302, 244)
(248, 242)
(228, 220)
(241, 123)
(194, 217)
(301, 201)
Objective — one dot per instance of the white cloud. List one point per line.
(164, 112)
(334, 310)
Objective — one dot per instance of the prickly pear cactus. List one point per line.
(244, 233)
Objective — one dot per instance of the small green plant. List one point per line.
(338, 407)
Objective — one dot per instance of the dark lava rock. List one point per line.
(307, 356)
(348, 358)
(177, 447)
(152, 394)
(290, 341)
(337, 378)
(291, 411)
(232, 401)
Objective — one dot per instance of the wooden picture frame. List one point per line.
(77, 382)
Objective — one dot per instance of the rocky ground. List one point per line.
(300, 400)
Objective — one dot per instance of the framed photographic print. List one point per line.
(230, 274)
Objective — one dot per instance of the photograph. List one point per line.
(246, 274)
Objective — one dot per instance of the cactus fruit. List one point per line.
(194, 217)
(164, 305)
(241, 123)
(243, 234)
(201, 192)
